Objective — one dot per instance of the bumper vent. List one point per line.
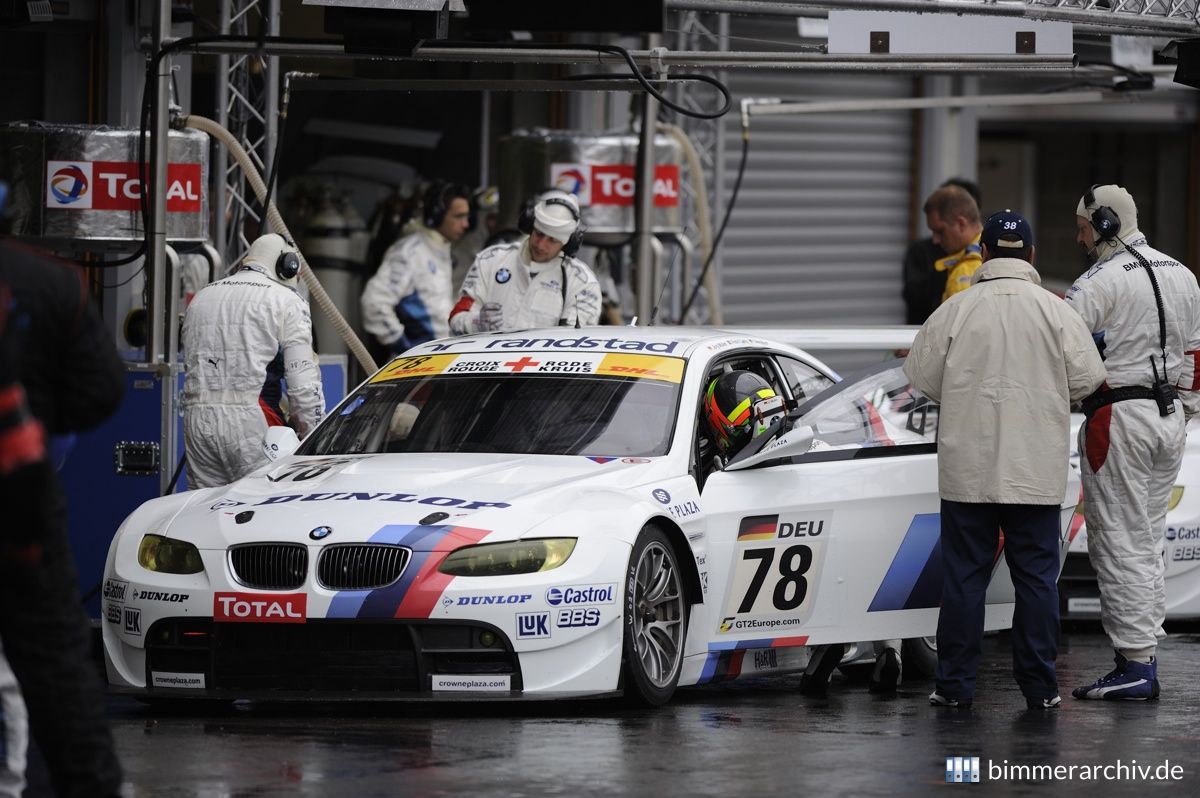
(269, 566)
(360, 566)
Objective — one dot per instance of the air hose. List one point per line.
(276, 221)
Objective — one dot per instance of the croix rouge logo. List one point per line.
(115, 186)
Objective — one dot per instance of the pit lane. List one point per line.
(761, 738)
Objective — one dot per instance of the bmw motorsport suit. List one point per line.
(407, 301)
(524, 294)
(241, 336)
(1129, 453)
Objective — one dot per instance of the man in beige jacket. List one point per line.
(1005, 359)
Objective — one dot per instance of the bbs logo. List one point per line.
(580, 616)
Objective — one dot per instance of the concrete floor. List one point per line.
(758, 739)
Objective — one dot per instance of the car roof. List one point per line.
(670, 340)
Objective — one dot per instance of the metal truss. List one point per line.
(703, 31)
(1183, 10)
(247, 100)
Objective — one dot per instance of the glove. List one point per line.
(491, 317)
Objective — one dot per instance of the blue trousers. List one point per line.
(970, 535)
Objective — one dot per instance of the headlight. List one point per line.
(169, 556)
(1176, 495)
(505, 559)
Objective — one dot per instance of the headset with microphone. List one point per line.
(526, 218)
(1105, 220)
(436, 202)
(287, 265)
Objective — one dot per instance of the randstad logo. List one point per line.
(962, 769)
(68, 183)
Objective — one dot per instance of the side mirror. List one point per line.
(279, 442)
(795, 442)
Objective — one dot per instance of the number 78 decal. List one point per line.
(775, 567)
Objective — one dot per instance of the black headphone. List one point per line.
(525, 222)
(1105, 220)
(287, 265)
(437, 201)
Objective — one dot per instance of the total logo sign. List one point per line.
(114, 186)
(583, 594)
(614, 184)
(259, 607)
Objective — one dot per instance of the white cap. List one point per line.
(265, 252)
(557, 215)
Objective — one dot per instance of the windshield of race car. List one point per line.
(599, 405)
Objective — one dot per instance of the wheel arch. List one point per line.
(683, 556)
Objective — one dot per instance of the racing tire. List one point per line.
(919, 656)
(654, 620)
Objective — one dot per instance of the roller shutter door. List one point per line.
(821, 223)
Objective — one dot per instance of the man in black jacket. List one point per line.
(55, 351)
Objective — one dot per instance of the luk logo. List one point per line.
(532, 625)
(962, 769)
(133, 621)
(68, 184)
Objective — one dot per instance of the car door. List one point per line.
(840, 543)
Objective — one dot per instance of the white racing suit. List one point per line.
(241, 336)
(505, 290)
(407, 302)
(1129, 453)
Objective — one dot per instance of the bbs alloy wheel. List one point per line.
(655, 620)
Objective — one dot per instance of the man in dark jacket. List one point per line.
(55, 351)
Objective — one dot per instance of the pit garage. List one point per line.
(470, 569)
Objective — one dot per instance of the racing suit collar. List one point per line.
(1107, 250)
(436, 239)
(998, 268)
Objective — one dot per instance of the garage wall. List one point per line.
(821, 222)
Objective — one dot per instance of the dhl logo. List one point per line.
(667, 369)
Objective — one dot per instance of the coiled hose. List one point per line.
(316, 290)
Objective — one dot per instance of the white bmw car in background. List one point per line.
(535, 515)
(1078, 593)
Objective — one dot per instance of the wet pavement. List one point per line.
(761, 738)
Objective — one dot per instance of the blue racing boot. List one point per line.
(1129, 681)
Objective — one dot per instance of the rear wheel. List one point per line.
(920, 657)
(655, 620)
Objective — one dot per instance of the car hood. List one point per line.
(357, 497)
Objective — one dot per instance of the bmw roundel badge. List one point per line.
(321, 532)
(503, 275)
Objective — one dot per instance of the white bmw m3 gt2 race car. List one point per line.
(538, 515)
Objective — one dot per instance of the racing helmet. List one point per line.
(739, 405)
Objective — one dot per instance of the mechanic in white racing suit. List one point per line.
(1132, 444)
(533, 282)
(407, 301)
(241, 336)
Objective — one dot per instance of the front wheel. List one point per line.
(655, 620)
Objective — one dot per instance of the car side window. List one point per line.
(878, 411)
(804, 380)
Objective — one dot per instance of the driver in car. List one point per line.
(738, 406)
